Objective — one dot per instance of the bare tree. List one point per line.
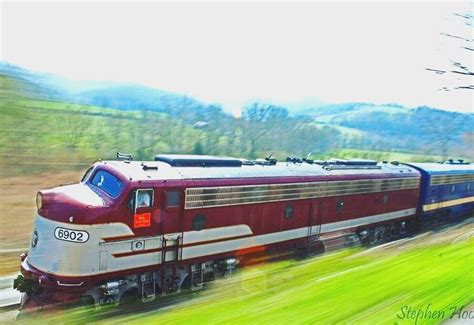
(258, 120)
(459, 67)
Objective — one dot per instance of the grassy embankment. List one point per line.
(340, 288)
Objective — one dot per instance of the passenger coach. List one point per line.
(447, 190)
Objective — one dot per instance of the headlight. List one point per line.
(39, 200)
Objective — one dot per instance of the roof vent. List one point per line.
(148, 166)
(334, 164)
(124, 156)
(294, 160)
(261, 162)
(353, 162)
(456, 162)
(198, 161)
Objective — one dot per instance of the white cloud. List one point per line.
(230, 52)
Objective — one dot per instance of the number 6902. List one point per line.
(76, 236)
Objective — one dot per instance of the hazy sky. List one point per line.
(231, 52)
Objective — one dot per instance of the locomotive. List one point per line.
(149, 228)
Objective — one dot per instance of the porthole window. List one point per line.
(288, 212)
(468, 186)
(385, 199)
(453, 188)
(340, 206)
(199, 222)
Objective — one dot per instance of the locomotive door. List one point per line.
(314, 221)
(142, 204)
(171, 225)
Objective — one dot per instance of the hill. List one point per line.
(123, 96)
(50, 121)
(42, 134)
(411, 129)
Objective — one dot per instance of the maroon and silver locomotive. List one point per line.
(147, 228)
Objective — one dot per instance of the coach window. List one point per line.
(453, 188)
(385, 199)
(288, 212)
(172, 199)
(468, 186)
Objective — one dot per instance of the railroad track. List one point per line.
(8, 296)
(9, 299)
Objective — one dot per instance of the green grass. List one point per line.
(338, 289)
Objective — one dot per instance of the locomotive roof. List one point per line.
(159, 170)
(444, 168)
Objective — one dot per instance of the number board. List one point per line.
(75, 236)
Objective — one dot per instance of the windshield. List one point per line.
(86, 175)
(107, 182)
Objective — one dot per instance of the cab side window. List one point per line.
(143, 198)
(172, 199)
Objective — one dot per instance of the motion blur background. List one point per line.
(81, 81)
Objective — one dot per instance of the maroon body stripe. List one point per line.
(118, 238)
(145, 251)
(155, 250)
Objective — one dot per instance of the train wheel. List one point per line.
(129, 297)
(371, 241)
(87, 301)
(363, 234)
(377, 235)
(186, 285)
(393, 233)
(209, 277)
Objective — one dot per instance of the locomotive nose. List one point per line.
(76, 201)
(71, 194)
(63, 238)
